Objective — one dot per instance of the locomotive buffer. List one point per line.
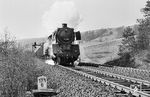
(42, 90)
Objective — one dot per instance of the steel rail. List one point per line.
(118, 76)
(110, 83)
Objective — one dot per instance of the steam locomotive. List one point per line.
(65, 50)
(62, 46)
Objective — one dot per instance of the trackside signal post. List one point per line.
(42, 90)
(42, 82)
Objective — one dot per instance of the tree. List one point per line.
(129, 42)
(127, 49)
(143, 38)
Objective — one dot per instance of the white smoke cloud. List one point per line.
(61, 12)
(50, 62)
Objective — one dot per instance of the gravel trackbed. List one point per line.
(70, 84)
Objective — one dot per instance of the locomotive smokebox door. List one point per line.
(78, 35)
(42, 82)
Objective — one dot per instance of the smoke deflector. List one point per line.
(78, 35)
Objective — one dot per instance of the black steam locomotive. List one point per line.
(65, 50)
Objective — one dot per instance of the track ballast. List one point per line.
(127, 85)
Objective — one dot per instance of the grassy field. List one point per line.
(102, 45)
(100, 52)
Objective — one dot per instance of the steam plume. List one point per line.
(61, 12)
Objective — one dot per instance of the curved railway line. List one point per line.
(128, 85)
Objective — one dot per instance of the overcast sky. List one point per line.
(24, 18)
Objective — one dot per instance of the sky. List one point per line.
(37, 18)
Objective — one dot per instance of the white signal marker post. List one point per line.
(42, 82)
(42, 90)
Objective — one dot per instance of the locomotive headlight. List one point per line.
(76, 42)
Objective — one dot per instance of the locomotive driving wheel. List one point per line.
(58, 61)
(72, 64)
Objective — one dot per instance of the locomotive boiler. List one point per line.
(65, 49)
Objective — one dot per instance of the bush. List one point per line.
(18, 70)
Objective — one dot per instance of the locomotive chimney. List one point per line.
(64, 25)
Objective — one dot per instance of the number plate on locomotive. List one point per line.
(66, 47)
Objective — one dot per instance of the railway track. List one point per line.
(129, 86)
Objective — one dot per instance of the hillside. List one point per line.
(104, 42)
(101, 35)
(100, 52)
(102, 45)
(97, 46)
